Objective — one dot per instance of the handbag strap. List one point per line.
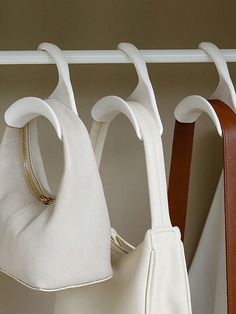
(180, 173)
(179, 182)
(154, 162)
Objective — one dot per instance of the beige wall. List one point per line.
(102, 24)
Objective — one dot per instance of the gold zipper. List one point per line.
(28, 171)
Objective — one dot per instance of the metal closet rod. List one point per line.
(113, 56)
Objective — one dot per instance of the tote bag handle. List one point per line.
(154, 162)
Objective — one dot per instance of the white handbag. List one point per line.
(47, 242)
(151, 278)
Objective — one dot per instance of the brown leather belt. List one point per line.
(179, 185)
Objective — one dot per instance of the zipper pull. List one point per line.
(46, 200)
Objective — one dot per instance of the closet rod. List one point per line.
(113, 56)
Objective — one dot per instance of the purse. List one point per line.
(212, 271)
(151, 278)
(50, 242)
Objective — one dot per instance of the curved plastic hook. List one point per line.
(143, 93)
(107, 108)
(25, 109)
(190, 108)
(63, 91)
(225, 90)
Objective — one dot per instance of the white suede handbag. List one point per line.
(51, 242)
(151, 278)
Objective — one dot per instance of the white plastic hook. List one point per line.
(190, 108)
(143, 93)
(225, 90)
(108, 107)
(63, 91)
(25, 109)
(30, 108)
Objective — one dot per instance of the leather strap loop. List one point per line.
(179, 182)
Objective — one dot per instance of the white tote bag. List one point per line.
(207, 273)
(212, 270)
(50, 242)
(152, 277)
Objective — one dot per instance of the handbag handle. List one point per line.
(179, 183)
(154, 161)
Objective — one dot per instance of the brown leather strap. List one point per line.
(178, 186)
(180, 173)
